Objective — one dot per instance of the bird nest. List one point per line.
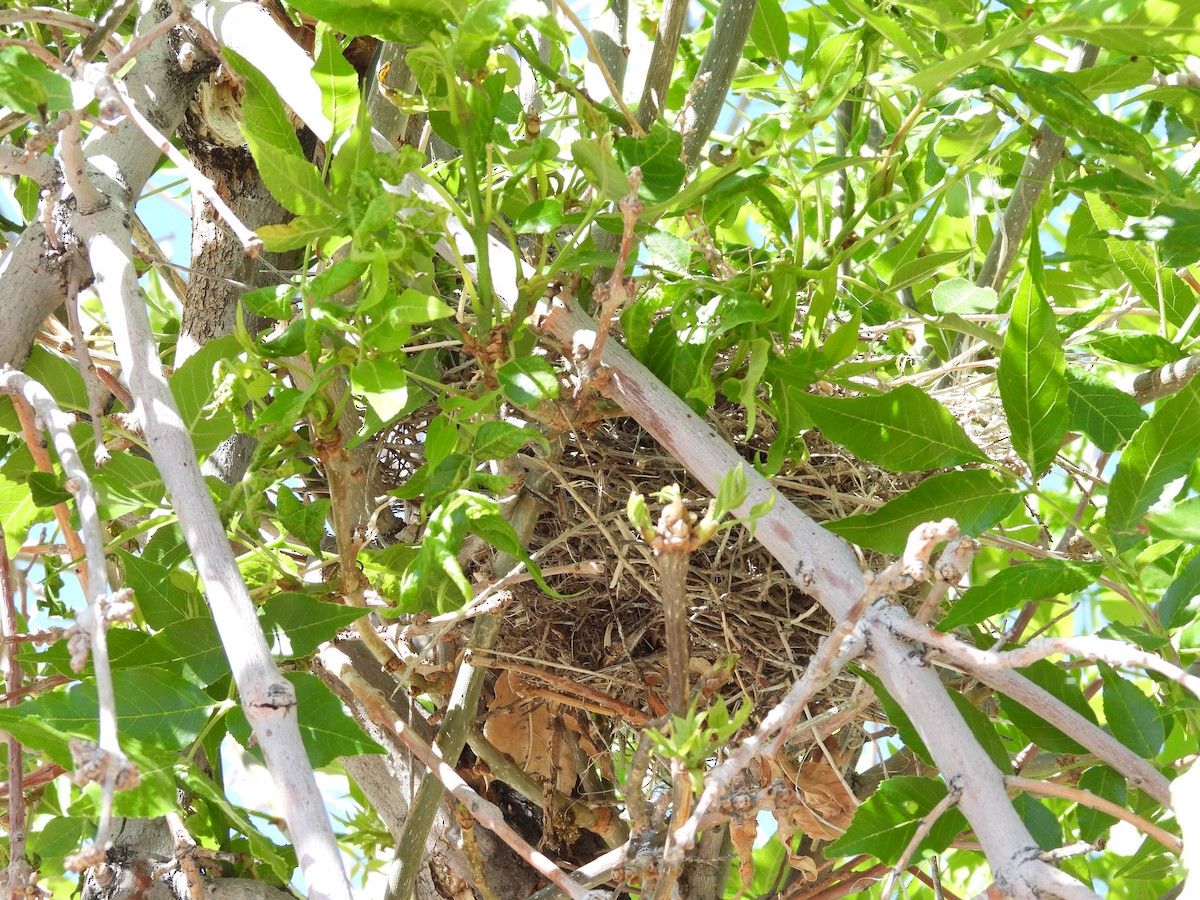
(601, 643)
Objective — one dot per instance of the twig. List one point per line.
(618, 290)
(1045, 151)
(1115, 653)
(104, 762)
(83, 362)
(19, 870)
(822, 669)
(924, 826)
(185, 856)
(62, 515)
(38, 167)
(1165, 380)
(724, 52)
(634, 128)
(104, 29)
(57, 19)
(353, 688)
(88, 198)
(140, 42)
(459, 718)
(978, 664)
(1088, 799)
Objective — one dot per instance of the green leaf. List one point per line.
(295, 183)
(383, 385)
(1175, 230)
(769, 30)
(983, 730)
(193, 646)
(958, 295)
(55, 374)
(1132, 717)
(327, 730)
(337, 80)
(28, 86)
(540, 217)
(272, 302)
(904, 430)
(1059, 685)
(1160, 288)
(1136, 348)
(162, 594)
(264, 117)
(1010, 587)
(500, 440)
(966, 138)
(977, 499)
(1107, 784)
(1042, 823)
(1135, 27)
(47, 490)
(300, 232)
(934, 77)
(415, 308)
(305, 521)
(601, 169)
(1161, 450)
(128, 484)
(658, 156)
(909, 273)
(678, 363)
(1066, 107)
(1180, 521)
(1106, 414)
(405, 21)
(1178, 605)
(527, 381)
(668, 252)
(896, 716)
(296, 624)
(1032, 379)
(192, 384)
(889, 818)
(18, 512)
(153, 706)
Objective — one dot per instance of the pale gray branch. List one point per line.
(978, 663)
(268, 699)
(1165, 380)
(36, 166)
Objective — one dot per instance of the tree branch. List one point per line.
(268, 699)
(1087, 798)
(662, 60)
(976, 662)
(1045, 151)
(1165, 380)
(711, 86)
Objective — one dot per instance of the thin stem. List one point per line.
(634, 128)
(353, 688)
(1090, 800)
(12, 687)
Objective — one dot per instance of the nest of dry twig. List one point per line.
(606, 636)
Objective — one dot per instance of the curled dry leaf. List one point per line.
(522, 729)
